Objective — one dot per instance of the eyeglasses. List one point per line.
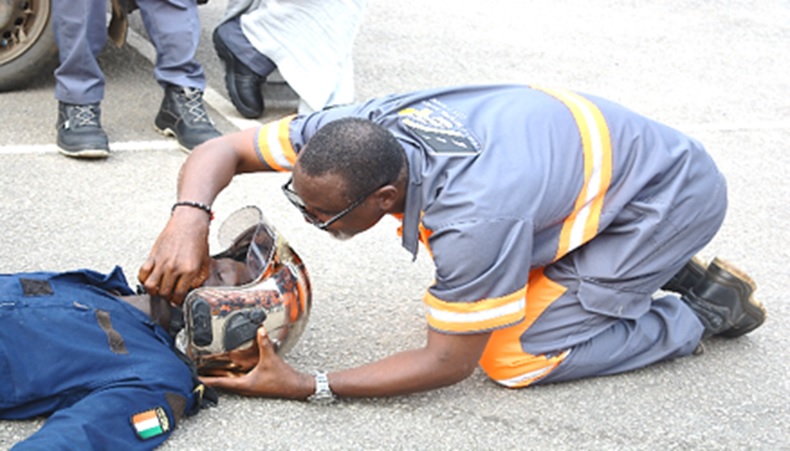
(297, 202)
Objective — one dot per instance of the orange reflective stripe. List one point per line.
(541, 293)
(399, 217)
(504, 359)
(485, 314)
(424, 232)
(582, 224)
(274, 145)
(532, 369)
(425, 235)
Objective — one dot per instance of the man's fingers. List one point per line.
(170, 281)
(181, 289)
(241, 385)
(145, 270)
(224, 382)
(164, 284)
(265, 346)
(189, 281)
(150, 277)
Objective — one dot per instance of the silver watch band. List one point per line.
(323, 393)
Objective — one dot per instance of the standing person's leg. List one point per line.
(245, 68)
(80, 32)
(174, 28)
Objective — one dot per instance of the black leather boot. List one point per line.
(687, 278)
(183, 115)
(724, 303)
(80, 134)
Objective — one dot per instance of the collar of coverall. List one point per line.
(156, 308)
(411, 211)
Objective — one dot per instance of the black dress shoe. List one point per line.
(243, 85)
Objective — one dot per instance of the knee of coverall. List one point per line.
(669, 330)
(504, 359)
(618, 271)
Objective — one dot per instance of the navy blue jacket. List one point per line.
(105, 373)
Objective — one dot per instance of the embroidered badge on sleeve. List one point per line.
(439, 129)
(151, 423)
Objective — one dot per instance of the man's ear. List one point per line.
(387, 197)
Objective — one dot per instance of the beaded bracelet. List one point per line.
(189, 203)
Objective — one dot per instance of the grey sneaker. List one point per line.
(184, 116)
(724, 303)
(79, 131)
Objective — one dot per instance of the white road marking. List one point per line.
(126, 146)
(226, 109)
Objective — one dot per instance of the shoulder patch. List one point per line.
(439, 129)
(150, 423)
(35, 287)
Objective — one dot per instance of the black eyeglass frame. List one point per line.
(297, 202)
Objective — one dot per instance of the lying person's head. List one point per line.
(257, 281)
(227, 272)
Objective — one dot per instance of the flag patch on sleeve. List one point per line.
(151, 423)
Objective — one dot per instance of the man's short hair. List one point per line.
(366, 155)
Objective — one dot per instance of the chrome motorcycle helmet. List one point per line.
(222, 321)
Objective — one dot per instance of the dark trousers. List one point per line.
(80, 27)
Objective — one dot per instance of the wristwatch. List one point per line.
(323, 394)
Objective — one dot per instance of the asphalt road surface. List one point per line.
(714, 69)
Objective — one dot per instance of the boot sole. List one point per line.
(699, 264)
(168, 132)
(752, 308)
(86, 154)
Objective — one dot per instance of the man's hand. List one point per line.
(271, 377)
(446, 360)
(179, 260)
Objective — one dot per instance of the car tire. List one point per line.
(27, 42)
